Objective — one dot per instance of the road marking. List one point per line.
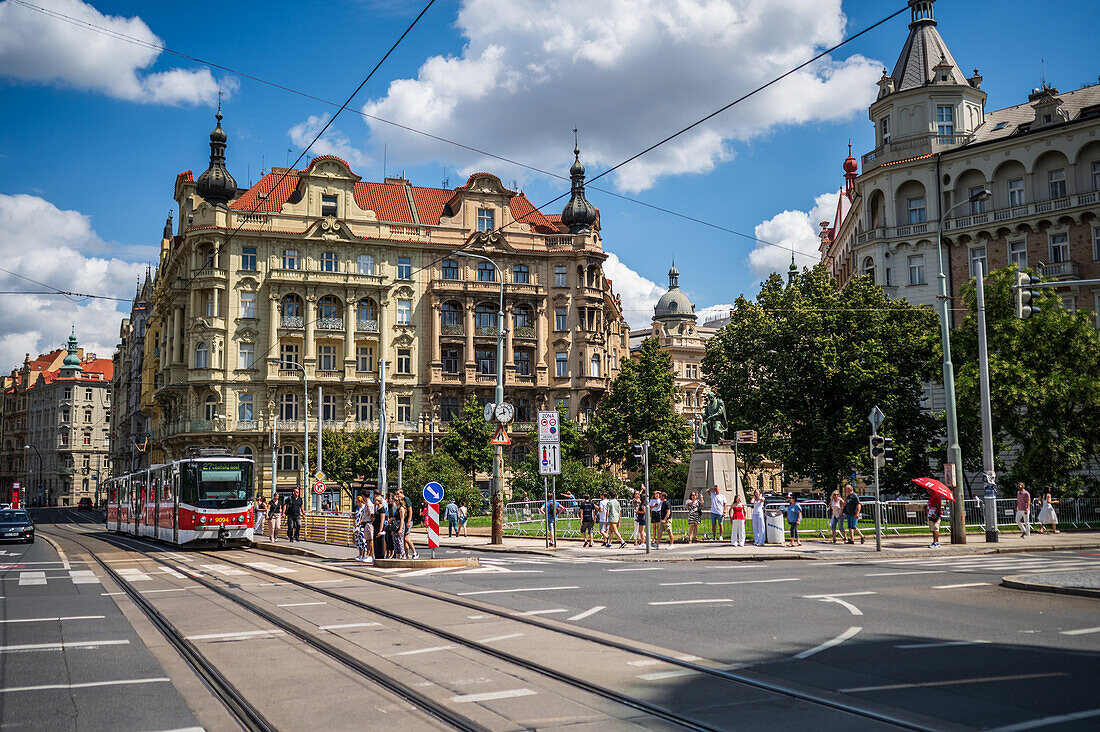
(348, 625)
(830, 643)
(1080, 631)
(85, 685)
(964, 584)
(494, 569)
(500, 638)
(492, 696)
(533, 612)
(271, 567)
(61, 646)
(172, 589)
(838, 594)
(32, 578)
(644, 662)
(636, 569)
(83, 577)
(433, 649)
(240, 634)
(659, 675)
(690, 602)
(302, 604)
(476, 617)
(586, 613)
(754, 582)
(951, 682)
(679, 584)
(133, 575)
(847, 605)
(429, 570)
(522, 589)
(48, 620)
(171, 572)
(945, 644)
(910, 572)
(1047, 721)
(224, 569)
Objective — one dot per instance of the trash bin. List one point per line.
(775, 532)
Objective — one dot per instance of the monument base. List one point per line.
(713, 466)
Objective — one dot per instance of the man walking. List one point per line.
(292, 510)
(550, 509)
(451, 514)
(588, 519)
(603, 519)
(406, 530)
(614, 516)
(852, 508)
(1023, 510)
(717, 511)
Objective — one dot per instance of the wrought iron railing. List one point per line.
(291, 321)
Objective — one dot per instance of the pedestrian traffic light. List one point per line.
(400, 446)
(641, 454)
(887, 449)
(878, 450)
(1023, 295)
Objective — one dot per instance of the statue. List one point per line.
(714, 423)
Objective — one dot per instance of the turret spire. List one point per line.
(216, 185)
(579, 215)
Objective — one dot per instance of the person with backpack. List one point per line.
(588, 519)
(550, 509)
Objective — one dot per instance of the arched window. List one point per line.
(328, 307)
(486, 272)
(288, 407)
(328, 262)
(288, 458)
(450, 269)
(292, 259)
(485, 316)
(202, 356)
(869, 268)
(210, 408)
(450, 314)
(521, 317)
(291, 306)
(365, 264)
(366, 310)
(245, 451)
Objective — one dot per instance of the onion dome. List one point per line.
(579, 215)
(216, 185)
(851, 165)
(792, 271)
(674, 304)
(72, 360)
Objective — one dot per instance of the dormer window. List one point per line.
(328, 204)
(945, 120)
(884, 126)
(485, 219)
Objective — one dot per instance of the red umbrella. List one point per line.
(935, 486)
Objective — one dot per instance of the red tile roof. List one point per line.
(269, 194)
(385, 199)
(322, 158)
(525, 211)
(185, 176)
(430, 203)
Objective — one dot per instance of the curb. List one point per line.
(427, 563)
(1018, 582)
(266, 546)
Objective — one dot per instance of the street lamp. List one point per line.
(305, 425)
(36, 452)
(497, 492)
(954, 454)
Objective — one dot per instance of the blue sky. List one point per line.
(95, 129)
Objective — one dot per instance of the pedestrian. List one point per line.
(666, 519)
(261, 513)
(367, 521)
(588, 519)
(463, 516)
(1023, 510)
(737, 521)
(794, 517)
(274, 514)
(695, 515)
(717, 511)
(378, 522)
(400, 519)
(603, 519)
(550, 509)
(1047, 516)
(852, 508)
(614, 517)
(836, 519)
(935, 513)
(450, 513)
(408, 549)
(640, 513)
(759, 529)
(655, 519)
(362, 519)
(292, 510)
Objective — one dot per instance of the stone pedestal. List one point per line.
(713, 466)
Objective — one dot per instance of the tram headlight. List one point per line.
(202, 519)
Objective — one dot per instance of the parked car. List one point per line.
(16, 525)
(85, 504)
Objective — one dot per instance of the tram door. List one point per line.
(175, 504)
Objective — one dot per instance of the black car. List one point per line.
(16, 525)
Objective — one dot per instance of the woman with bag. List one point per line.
(261, 514)
(737, 521)
(836, 521)
(274, 516)
(378, 524)
(695, 515)
(361, 521)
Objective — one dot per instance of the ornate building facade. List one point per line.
(129, 429)
(318, 272)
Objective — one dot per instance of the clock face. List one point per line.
(505, 413)
(490, 409)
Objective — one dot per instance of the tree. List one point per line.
(348, 457)
(526, 482)
(806, 362)
(640, 405)
(467, 439)
(420, 469)
(1044, 375)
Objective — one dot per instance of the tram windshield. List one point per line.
(217, 485)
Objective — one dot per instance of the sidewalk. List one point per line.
(1084, 584)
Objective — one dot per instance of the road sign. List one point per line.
(549, 458)
(875, 418)
(433, 524)
(319, 487)
(433, 492)
(501, 437)
(319, 475)
(746, 437)
(549, 430)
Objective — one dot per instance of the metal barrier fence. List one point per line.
(324, 528)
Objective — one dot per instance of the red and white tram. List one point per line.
(206, 498)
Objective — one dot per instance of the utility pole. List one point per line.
(990, 502)
(643, 455)
(382, 478)
(878, 457)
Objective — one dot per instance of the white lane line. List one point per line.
(495, 569)
(492, 696)
(658, 675)
(32, 578)
(111, 594)
(134, 575)
(500, 638)
(85, 685)
(429, 570)
(679, 584)
(239, 634)
(48, 620)
(83, 577)
(644, 662)
(271, 567)
(906, 574)
(521, 589)
(172, 589)
(532, 612)
(951, 682)
(754, 582)
(61, 646)
(964, 584)
(171, 572)
(325, 582)
(691, 602)
(302, 604)
(637, 569)
(945, 644)
(348, 625)
(1080, 631)
(588, 612)
(843, 603)
(830, 643)
(837, 594)
(1047, 721)
(418, 651)
(476, 617)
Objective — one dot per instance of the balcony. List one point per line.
(292, 321)
(289, 425)
(1023, 210)
(246, 425)
(486, 330)
(330, 324)
(486, 378)
(524, 331)
(66, 470)
(1068, 270)
(912, 147)
(323, 278)
(366, 326)
(452, 330)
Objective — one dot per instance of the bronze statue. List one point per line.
(715, 422)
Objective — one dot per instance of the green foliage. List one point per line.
(1044, 375)
(527, 483)
(640, 405)
(806, 362)
(420, 470)
(347, 456)
(467, 439)
(670, 479)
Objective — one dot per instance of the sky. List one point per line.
(97, 123)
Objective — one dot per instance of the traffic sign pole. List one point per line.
(433, 527)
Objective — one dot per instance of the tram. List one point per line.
(205, 498)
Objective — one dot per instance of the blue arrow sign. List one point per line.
(433, 492)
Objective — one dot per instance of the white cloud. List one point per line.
(333, 142)
(637, 293)
(714, 312)
(627, 75)
(797, 230)
(39, 49)
(42, 242)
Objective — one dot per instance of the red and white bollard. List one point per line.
(433, 527)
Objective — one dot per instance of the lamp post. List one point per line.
(39, 455)
(497, 492)
(305, 425)
(954, 454)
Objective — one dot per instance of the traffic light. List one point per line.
(400, 446)
(887, 449)
(878, 450)
(640, 453)
(1023, 295)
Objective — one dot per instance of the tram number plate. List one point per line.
(223, 519)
